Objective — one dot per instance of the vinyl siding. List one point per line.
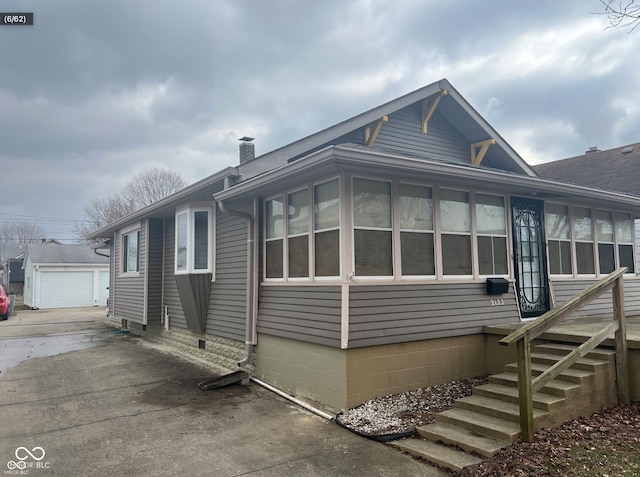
(602, 306)
(171, 297)
(227, 302)
(305, 313)
(386, 314)
(403, 132)
(129, 292)
(154, 275)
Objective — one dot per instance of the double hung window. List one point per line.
(194, 237)
(131, 252)
(606, 246)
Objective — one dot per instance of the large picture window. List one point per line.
(372, 228)
(194, 237)
(131, 252)
(559, 238)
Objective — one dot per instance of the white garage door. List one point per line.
(66, 289)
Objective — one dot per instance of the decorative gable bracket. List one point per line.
(479, 149)
(429, 107)
(371, 131)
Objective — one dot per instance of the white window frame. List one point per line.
(190, 211)
(125, 232)
(473, 250)
(571, 240)
(475, 235)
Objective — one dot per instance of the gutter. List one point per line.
(252, 288)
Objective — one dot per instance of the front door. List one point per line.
(530, 259)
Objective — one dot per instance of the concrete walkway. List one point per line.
(76, 400)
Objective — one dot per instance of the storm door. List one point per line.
(530, 260)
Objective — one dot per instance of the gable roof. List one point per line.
(62, 254)
(616, 170)
(451, 105)
(11, 250)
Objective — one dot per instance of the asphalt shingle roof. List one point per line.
(614, 170)
(49, 253)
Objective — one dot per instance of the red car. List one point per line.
(4, 304)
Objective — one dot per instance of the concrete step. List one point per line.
(544, 401)
(438, 454)
(603, 354)
(487, 426)
(585, 364)
(577, 376)
(495, 408)
(461, 438)
(556, 387)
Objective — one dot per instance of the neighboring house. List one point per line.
(64, 276)
(616, 170)
(367, 258)
(13, 277)
(10, 251)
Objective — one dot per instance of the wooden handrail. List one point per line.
(526, 334)
(552, 317)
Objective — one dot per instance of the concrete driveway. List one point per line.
(76, 400)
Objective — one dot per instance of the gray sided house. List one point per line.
(64, 276)
(616, 170)
(11, 272)
(367, 258)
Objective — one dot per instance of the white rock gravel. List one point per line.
(400, 413)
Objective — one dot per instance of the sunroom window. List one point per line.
(416, 230)
(455, 232)
(372, 228)
(293, 233)
(491, 235)
(326, 225)
(298, 233)
(274, 237)
(194, 237)
(583, 230)
(559, 238)
(624, 236)
(604, 236)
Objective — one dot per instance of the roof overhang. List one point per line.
(336, 159)
(167, 205)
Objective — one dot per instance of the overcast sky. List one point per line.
(97, 91)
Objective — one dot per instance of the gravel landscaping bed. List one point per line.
(402, 413)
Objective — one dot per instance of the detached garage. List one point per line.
(64, 276)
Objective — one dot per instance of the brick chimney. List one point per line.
(247, 149)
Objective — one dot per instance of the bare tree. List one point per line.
(622, 13)
(21, 232)
(151, 185)
(143, 189)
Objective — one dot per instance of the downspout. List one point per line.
(252, 289)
